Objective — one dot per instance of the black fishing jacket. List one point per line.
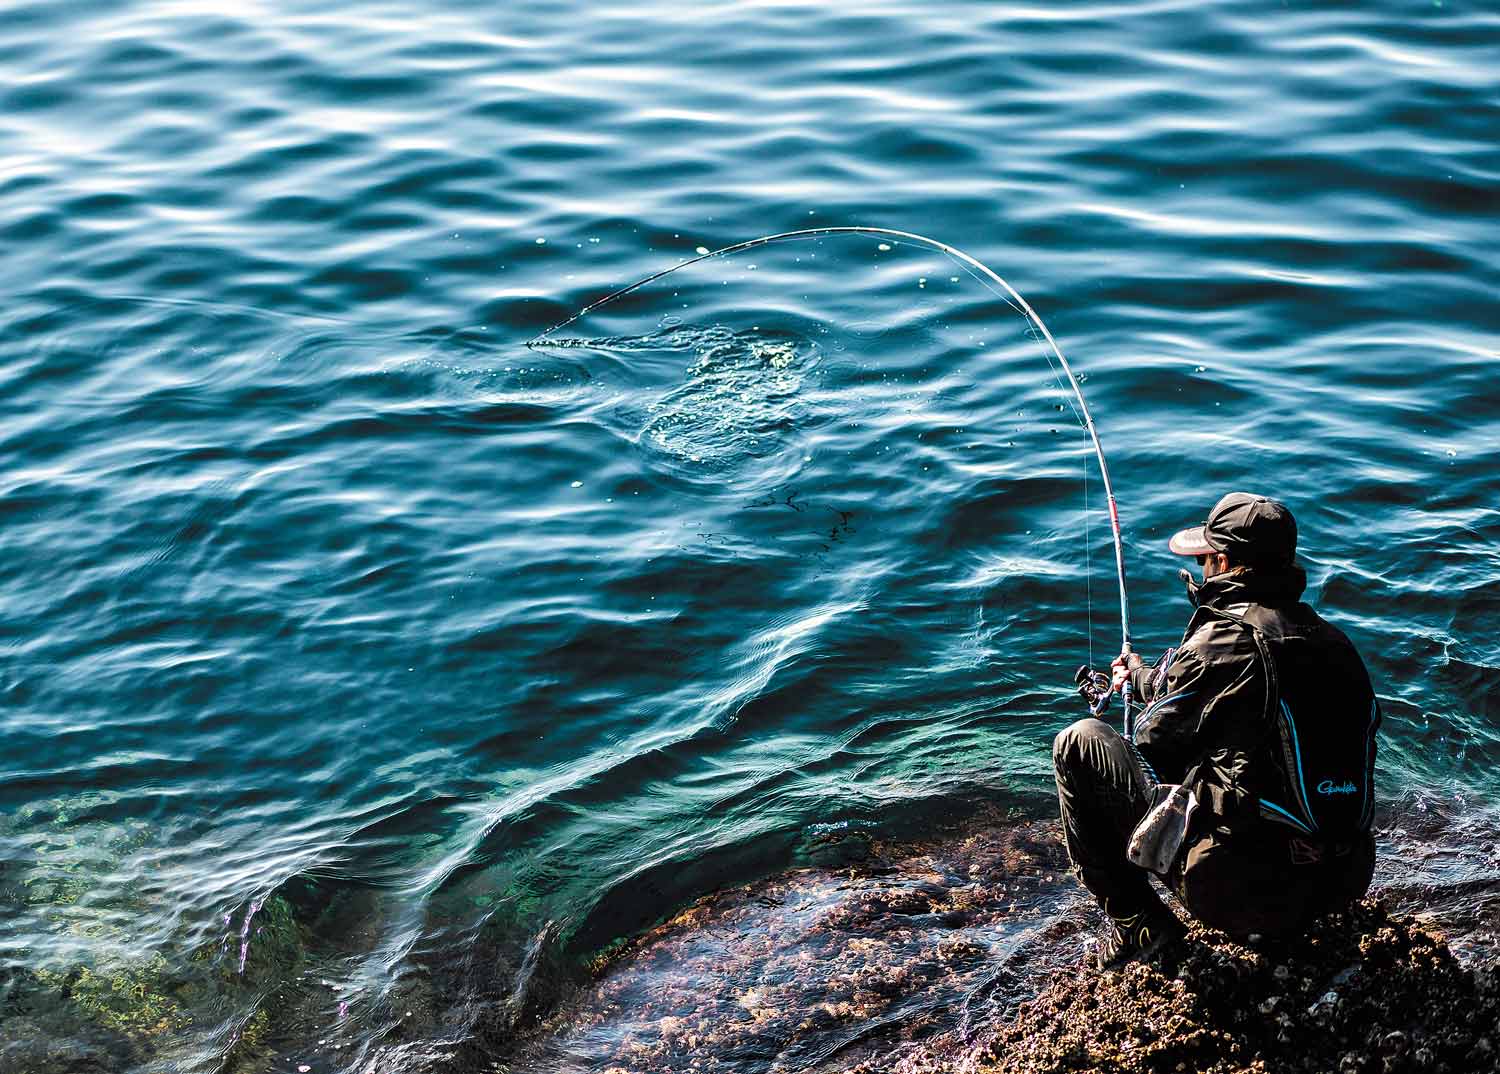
(1266, 711)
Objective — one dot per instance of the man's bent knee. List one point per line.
(1072, 741)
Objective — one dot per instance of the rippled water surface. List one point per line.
(367, 674)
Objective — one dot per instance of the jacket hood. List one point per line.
(1273, 587)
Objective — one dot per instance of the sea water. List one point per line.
(366, 674)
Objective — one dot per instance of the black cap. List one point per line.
(1254, 530)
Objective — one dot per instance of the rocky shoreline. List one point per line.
(965, 954)
(962, 952)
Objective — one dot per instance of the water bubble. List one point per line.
(577, 485)
(541, 241)
(884, 246)
(701, 250)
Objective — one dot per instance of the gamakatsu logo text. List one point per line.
(1328, 786)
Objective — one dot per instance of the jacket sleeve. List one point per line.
(1146, 681)
(1182, 693)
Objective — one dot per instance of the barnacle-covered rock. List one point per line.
(1363, 991)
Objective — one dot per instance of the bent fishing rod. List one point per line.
(988, 276)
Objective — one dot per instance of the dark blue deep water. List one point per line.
(364, 672)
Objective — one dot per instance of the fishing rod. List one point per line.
(1015, 301)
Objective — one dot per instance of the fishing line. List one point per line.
(996, 285)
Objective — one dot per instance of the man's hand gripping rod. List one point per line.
(1097, 689)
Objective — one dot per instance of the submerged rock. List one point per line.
(820, 968)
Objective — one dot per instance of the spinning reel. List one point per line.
(1094, 687)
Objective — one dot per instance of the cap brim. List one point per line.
(1191, 542)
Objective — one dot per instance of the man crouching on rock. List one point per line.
(1265, 717)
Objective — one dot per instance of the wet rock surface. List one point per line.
(822, 968)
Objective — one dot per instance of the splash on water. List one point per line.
(739, 401)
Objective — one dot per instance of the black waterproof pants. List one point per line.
(1102, 794)
(1243, 884)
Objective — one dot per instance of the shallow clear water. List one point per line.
(358, 660)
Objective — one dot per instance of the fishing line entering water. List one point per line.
(993, 283)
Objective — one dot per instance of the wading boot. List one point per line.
(1141, 935)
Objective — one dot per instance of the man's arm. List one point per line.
(1181, 692)
(1146, 680)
